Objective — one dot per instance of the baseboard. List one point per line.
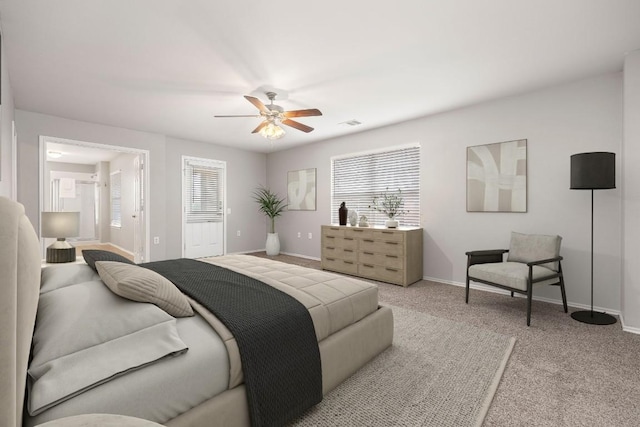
(301, 256)
(628, 328)
(121, 248)
(481, 287)
(246, 252)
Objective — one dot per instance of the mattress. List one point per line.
(212, 363)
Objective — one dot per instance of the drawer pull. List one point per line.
(331, 247)
(392, 256)
(367, 240)
(368, 253)
(348, 238)
(367, 265)
(330, 259)
(391, 243)
(387, 232)
(348, 262)
(334, 228)
(348, 250)
(330, 237)
(358, 231)
(391, 269)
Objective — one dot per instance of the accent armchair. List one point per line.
(533, 259)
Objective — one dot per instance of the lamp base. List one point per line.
(593, 317)
(61, 251)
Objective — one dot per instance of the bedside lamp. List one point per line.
(60, 225)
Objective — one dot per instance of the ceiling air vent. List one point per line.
(351, 123)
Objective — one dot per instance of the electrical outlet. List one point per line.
(156, 240)
(238, 233)
(310, 235)
(298, 234)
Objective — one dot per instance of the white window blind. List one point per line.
(203, 192)
(116, 199)
(357, 179)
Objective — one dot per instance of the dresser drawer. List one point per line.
(382, 247)
(359, 233)
(341, 265)
(388, 235)
(383, 274)
(385, 260)
(333, 231)
(341, 253)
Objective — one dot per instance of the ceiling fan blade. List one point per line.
(260, 126)
(259, 105)
(302, 113)
(252, 115)
(297, 125)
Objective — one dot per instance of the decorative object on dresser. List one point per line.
(272, 206)
(60, 225)
(593, 171)
(301, 190)
(391, 205)
(497, 177)
(342, 213)
(534, 259)
(353, 217)
(386, 255)
(363, 221)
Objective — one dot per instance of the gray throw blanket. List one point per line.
(274, 332)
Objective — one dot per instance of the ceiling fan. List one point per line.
(274, 114)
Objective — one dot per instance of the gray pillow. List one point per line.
(143, 285)
(85, 336)
(534, 247)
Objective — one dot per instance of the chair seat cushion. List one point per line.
(511, 274)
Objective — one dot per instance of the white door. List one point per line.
(139, 237)
(203, 195)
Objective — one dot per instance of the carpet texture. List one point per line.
(561, 372)
(438, 373)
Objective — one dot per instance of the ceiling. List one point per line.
(169, 66)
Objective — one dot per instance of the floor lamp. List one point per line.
(593, 171)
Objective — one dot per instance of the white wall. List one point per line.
(32, 125)
(631, 194)
(123, 236)
(245, 170)
(6, 117)
(557, 122)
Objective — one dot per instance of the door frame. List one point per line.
(43, 139)
(224, 199)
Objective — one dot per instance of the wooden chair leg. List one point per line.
(564, 295)
(529, 298)
(512, 294)
(466, 298)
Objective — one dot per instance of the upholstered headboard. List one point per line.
(20, 265)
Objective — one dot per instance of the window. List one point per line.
(203, 192)
(357, 179)
(116, 198)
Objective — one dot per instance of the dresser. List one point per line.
(383, 254)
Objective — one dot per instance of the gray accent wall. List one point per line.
(557, 122)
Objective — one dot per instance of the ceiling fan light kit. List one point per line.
(274, 115)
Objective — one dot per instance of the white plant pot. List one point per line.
(273, 244)
(391, 223)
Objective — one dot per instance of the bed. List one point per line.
(350, 329)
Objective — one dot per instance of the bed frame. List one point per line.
(342, 353)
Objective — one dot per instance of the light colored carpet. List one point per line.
(437, 373)
(561, 372)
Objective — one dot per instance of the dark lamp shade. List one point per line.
(593, 171)
(60, 224)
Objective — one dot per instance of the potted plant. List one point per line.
(391, 205)
(272, 206)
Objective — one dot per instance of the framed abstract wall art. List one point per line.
(301, 190)
(497, 177)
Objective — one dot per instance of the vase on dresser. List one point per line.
(391, 223)
(273, 244)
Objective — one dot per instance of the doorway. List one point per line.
(75, 176)
(203, 202)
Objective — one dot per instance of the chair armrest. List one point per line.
(485, 257)
(487, 252)
(544, 261)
